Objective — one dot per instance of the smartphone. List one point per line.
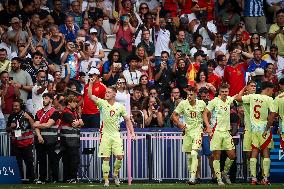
(117, 64)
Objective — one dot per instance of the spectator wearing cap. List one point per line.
(235, 72)
(254, 17)
(92, 11)
(132, 75)
(90, 112)
(276, 32)
(180, 44)
(8, 14)
(21, 78)
(194, 67)
(96, 47)
(57, 13)
(258, 76)
(277, 60)
(222, 62)
(101, 34)
(124, 34)
(17, 33)
(198, 40)
(69, 29)
(75, 12)
(163, 42)
(256, 62)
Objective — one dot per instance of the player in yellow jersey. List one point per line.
(221, 139)
(260, 105)
(192, 110)
(111, 142)
(279, 108)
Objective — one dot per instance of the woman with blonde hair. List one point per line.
(145, 66)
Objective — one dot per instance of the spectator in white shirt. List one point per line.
(132, 76)
(38, 90)
(222, 62)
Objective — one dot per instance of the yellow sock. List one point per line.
(105, 169)
(216, 166)
(194, 164)
(253, 162)
(228, 164)
(266, 167)
(117, 166)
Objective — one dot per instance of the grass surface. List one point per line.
(138, 186)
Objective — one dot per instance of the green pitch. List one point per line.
(139, 186)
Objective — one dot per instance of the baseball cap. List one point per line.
(257, 71)
(15, 20)
(93, 30)
(94, 71)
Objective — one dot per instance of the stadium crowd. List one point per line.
(50, 50)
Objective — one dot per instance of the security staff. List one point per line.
(70, 139)
(20, 126)
(46, 128)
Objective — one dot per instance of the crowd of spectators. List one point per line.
(160, 48)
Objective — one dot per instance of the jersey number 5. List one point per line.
(256, 112)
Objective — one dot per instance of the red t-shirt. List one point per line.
(171, 6)
(186, 9)
(209, 4)
(235, 77)
(9, 99)
(89, 107)
(127, 35)
(216, 81)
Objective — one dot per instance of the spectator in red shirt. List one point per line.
(214, 79)
(234, 74)
(208, 6)
(90, 112)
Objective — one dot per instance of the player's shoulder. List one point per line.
(200, 102)
(281, 95)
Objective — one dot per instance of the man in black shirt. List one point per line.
(57, 14)
(8, 14)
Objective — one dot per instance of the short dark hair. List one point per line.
(3, 50)
(266, 85)
(251, 81)
(137, 88)
(191, 88)
(220, 57)
(212, 63)
(3, 72)
(19, 60)
(196, 36)
(37, 53)
(281, 81)
(279, 12)
(48, 95)
(165, 52)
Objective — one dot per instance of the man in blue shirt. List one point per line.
(256, 62)
(69, 29)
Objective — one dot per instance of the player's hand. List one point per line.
(40, 139)
(209, 131)
(133, 136)
(264, 134)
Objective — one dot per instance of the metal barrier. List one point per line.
(156, 155)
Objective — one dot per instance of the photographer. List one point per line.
(38, 90)
(124, 35)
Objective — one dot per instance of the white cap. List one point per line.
(93, 71)
(191, 17)
(93, 30)
(257, 71)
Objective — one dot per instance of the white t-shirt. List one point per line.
(202, 31)
(222, 48)
(84, 65)
(193, 50)
(124, 99)
(162, 43)
(98, 49)
(37, 100)
(132, 77)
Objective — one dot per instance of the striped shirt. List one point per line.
(253, 8)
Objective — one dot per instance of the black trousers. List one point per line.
(26, 154)
(53, 162)
(71, 162)
(91, 120)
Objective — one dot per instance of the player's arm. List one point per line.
(239, 96)
(91, 96)
(175, 119)
(129, 125)
(206, 116)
